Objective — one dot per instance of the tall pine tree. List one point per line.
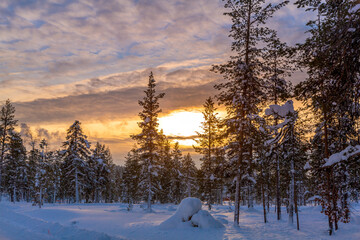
(148, 139)
(75, 154)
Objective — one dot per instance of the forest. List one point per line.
(278, 145)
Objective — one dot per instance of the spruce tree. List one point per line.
(189, 171)
(131, 178)
(176, 179)
(7, 124)
(165, 171)
(208, 142)
(148, 139)
(15, 165)
(99, 172)
(75, 154)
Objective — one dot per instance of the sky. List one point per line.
(89, 60)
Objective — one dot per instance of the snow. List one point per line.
(342, 156)
(307, 166)
(281, 111)
(203, 219)
(355, 8)
(113, 221)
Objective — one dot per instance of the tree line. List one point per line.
(74, 173)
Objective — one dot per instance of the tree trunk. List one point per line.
(76, 186)
(263, 195)
(237, 200)
(292, 188)
(278, 203)
(40, 197)
(149, 192)
(296, 208)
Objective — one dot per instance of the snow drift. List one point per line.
(189, 213)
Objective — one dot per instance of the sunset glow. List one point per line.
(182, 124)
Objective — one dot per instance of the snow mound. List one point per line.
(203, 219)
(189, 214)
(187, 208)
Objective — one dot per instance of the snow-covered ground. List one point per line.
(112, 221)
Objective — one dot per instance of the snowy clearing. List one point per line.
(112, 221)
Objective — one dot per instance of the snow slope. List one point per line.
(112, 221)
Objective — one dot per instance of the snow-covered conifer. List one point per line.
(148, 139)
(74, 168)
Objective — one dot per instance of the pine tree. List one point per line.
(75, 154)
(208, 142)
(165, 172)
(148, 138)
(131, 178)
(189, 173)
(15, 165)
(7, 124)
(278, 66)
(41, 172)
(54, 175)
(177, 186)
(289, 140)
(243, 90)
(33, 160)
(99, 172)
(331, 55)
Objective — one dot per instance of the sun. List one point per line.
(182, 124)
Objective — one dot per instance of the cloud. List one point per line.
(192, 90)
(182, 137)
(47, 46)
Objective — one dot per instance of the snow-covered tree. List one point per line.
(75, 154)
(148, 139)
(288, 139)
(99, 172)
(7, 124)
(16, 169)
(53, 175)
(164, 194)
(208, 144)
(131, 178)
(331, 56)
(243, 90)
(189, 174)
(176, 176)
(41, 174)
(277, 65)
